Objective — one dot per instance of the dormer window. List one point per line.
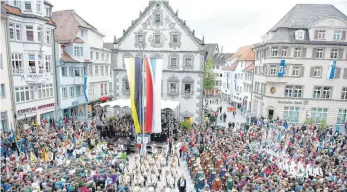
(27, 6)
(299, 34)
(38, 7)
(16, 3)
(337, 35)
(321, 34)
(48, 12)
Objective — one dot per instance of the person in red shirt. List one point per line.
(184, 150)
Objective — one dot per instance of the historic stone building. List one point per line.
(160, 33)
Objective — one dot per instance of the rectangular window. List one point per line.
(78, 91)
(293, 91)
(274, 52)
(296, 71)
(40, 63)
(17, 63)
(273, 69)
(334, 53)
(2, 90)
(91, 55)
(110, 73)
(139, 38)
(90, 70)
(291, 114)
(32, 63)
(71, 71)
(320, 53)
(72, 92)
(174, 38)
(29, 31)
(63, 72)
(78, 51)
(284, 52)
(24, 93)
(337, 35)
(319, 114)
(97, 55)
(344, 93)
(101, 70)
(82, 32)
(48, 64)
(341, 117)
(45, 91)
(298, 91)
(48, 12)
(317, 72)
(110, 86)
(322, 92)
(18, 32)
(105, 86)
(38, 7)
(39, 34)
(188, 61)
(126, 85)
(107, 56)
(173, 62)
(297, 52)
(288, 91)
(48, 38)
(317, 92)
(16, 3)
(321, 34)
(102, 56)
(327, 91)
(187, 87)
(157, 39)
(173, 87)
(64, 92)
(27, 6)
(96, 70)
(11, 27)
(102, 88)
(106, 70)
(77, 72)
(157, 17)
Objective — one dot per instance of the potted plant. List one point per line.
(185, 125)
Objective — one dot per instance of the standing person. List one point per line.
(181, 183)
(128, 145)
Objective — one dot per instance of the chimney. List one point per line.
(114, 39)
(62, 49)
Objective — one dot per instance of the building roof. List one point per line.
(231, 67)
(244, 53)
(152, 3)
(67, 58)
(68, 22)
(3, 12)
(221, 58)
(304, 15)
(108, 46)
(16, 11)
(249, 68)
(78, 40)
(48, 3)
(211, 48)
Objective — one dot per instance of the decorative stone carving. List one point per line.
(156, 55)
(164, 24)
(158, 11)
(143, 43)
(173, 44)
(162, 39)
(173, 79)
(174, 55)
(124, 81)
(187, 66)
(126, 55)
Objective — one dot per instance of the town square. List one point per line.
(173, 95)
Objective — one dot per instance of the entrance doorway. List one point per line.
(271, 114)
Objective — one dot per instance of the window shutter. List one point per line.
(337, 73)
(315, 34)
(288, 51)
(311, 71)
(302, 71)
(304, 52)
(343, 36)
(277, 69)
(345, 73)
(314, 53)
(340, 54)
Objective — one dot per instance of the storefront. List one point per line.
(34, 115)
(77, 111)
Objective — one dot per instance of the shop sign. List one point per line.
(32, 109)
(291, 102)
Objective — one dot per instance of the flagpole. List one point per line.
(142, 98)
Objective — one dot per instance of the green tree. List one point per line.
(208, 75)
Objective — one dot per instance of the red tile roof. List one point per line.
(67, 58)
(12, 10)
(78, 40)
(244, 53)
(232, 67)
(249, 68)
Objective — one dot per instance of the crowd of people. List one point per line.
(267, 157)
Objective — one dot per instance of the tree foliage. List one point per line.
(185, 124)
(208, 75)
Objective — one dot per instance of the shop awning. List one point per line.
(126, 103)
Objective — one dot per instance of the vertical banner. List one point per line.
(85, 83)
(235, 79)
(153, 69)
(281, 70)
(331, 71)
(134, 72)
(227, 78)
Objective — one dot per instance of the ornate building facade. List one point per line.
(160, 33)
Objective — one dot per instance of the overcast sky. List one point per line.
(230, 23)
